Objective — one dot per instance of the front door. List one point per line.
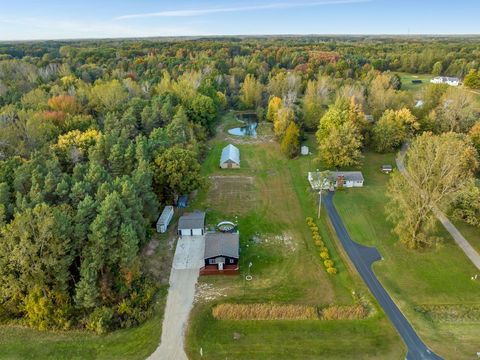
(220, 266)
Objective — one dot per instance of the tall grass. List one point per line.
(264, 312)
(348, 312)
(269, 311)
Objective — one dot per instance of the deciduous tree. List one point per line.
(438, 168)
(290, 144)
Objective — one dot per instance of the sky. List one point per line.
(73, 19)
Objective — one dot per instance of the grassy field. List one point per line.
(407, 81)
(270, 198)
(434, 277)
(471, 233)
(129, 344)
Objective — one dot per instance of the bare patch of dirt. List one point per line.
(232, 194)
(151, 246)
(208, 292)
(250, 140)
(285, 240)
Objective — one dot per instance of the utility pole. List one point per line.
(319, 202)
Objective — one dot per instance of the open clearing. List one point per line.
(286, 268)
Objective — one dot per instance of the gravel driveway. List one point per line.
(187, 262)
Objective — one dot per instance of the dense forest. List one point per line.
(95, 136)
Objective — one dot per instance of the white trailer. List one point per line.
(164, 219)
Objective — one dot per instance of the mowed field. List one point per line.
(438, 277)
(270, 198)
(407, 84)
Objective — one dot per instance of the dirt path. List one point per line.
(468, 249)
(183, 278)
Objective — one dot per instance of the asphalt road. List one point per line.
(363, 257)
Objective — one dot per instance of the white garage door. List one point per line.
(186, 232)
(197, 232)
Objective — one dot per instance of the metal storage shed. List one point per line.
(164, 219)
(230, 158)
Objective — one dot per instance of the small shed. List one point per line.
(182, 202)
(304, 150)
(230, 158)
(387, 169)
(191, 224)
(222, 250)
(165, 218)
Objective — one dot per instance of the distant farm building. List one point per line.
(221, 253)
(304, 150)
(335, 179)
(164, 219)
(191, 224)
(230, 158)
(387, 169)
(452, 81)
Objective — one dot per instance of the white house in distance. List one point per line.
(191, 224)
(164, 219)
(452, 81)
(230, 158)
(304, 150)
(324, 180)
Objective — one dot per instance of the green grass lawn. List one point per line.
(286, 267)
(407, 84)
(439, 276)
(471, 233)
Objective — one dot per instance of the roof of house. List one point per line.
(165, 214)
(231, 153)
(195, 220)
(221, 244)
(348, 175)
(317, 180)
(387, 167)
(446, 78)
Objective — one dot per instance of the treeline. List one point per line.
(83, 170)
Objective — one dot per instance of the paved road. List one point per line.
(468, 249)
(363, 257)
(187, 261)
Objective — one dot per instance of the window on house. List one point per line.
(211, 261)
(232, 261)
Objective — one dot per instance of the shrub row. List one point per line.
(451, 312)
(323, 250)
(344, 312)
(264, 312)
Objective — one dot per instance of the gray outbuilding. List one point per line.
(191, 224)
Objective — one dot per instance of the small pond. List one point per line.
(250, 127)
